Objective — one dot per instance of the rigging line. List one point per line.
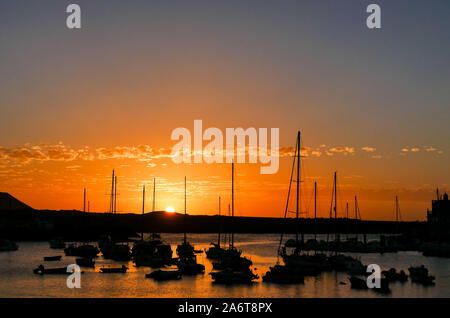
(309, 203)
(341, 201)
(331, 208)
(287, 203)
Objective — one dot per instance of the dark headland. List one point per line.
(20, 222)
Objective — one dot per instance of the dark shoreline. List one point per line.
(30, 224)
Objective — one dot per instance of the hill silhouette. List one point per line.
(18, 221)
(9, 203)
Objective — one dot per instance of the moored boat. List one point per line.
(229, 276)
(117, 252)
(161, 275)
(358, 283)
(123, 269)
(41, 270)
(282, 274)
(85, 262)
(420, 275)
(84, 250)
(393, 276)
(235, 268)
(189, 266)
(185, 249)
(52, 258)
(153, 253)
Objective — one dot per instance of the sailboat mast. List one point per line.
(227, 238)
(111, 201)
(315, 199)
(232, 201)
(185, 210)
(396, 208)
(315, 209)
(84, 200)
(143, 199)
(115, 194)
(347, 210)
(335, 195)
(143, 207)
(298, 186)
(218, 236)
(154, 190)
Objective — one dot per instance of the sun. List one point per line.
(170, 209)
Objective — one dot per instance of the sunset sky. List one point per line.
(372, 104)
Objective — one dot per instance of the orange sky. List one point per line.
(53, 177)
(371, 104)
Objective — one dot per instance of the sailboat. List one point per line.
(109, 245)
(296, 264)
(153, 251)
(341, 262)
(216, 252)
(233, 267)
(187, 261)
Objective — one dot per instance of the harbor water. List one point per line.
(18, 280)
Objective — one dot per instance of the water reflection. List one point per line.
(18, 280)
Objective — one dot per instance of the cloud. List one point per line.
(345, 150)
(405, 150)
(61, 152)
(74, 167)
(429, 148)
(368, 149)
(43, 152)
(415, 149)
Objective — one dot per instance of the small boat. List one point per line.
(420, 275)
(41, 270)
(85, 262)
(117, 252)
(280, 274)
(216, 252)
(228, 276)
(393, 276)
(109, 270)
(186, 249)
(57, 243)
(8, 246)
(347, 264)
(152, 253)
(161, 275)
(358, 283)
(52, 258)
(307, 265)
(84, 250)
(418, 271)
(237, 263)
(189, 266)
(425, 281)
